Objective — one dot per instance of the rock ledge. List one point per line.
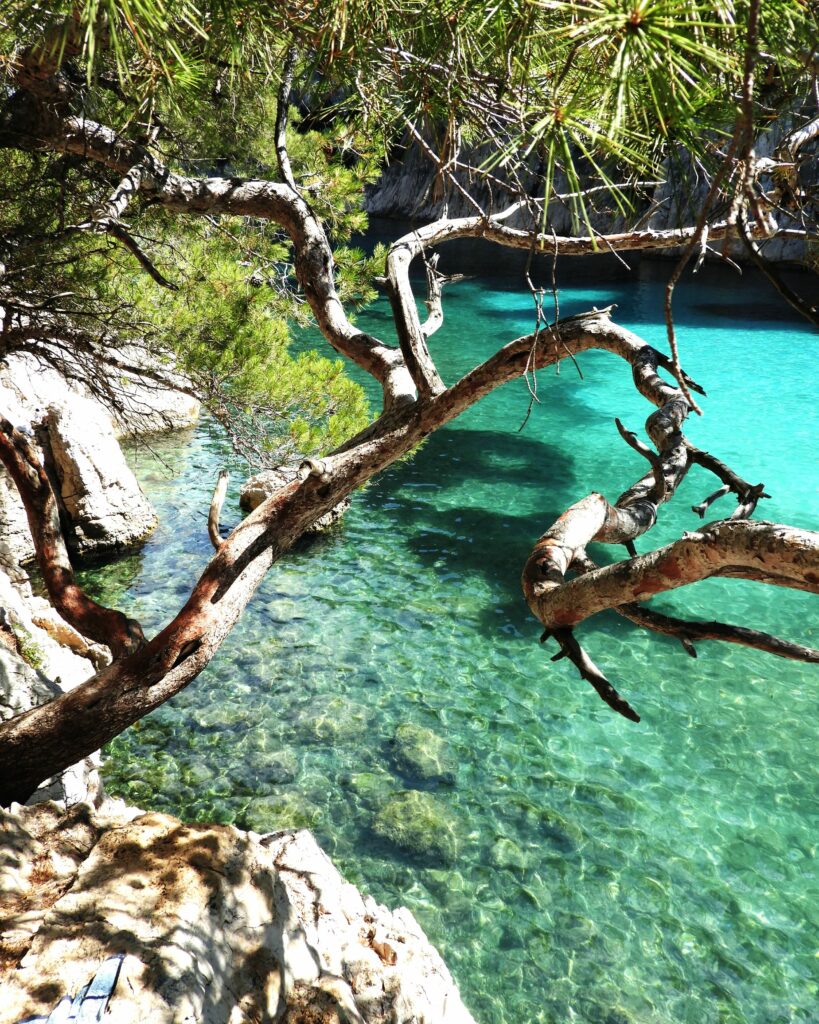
(211, 924)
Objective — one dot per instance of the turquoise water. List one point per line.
(570, 865)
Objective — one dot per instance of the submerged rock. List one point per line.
(204, 923)
(416, 822)
(278, 811)
(258, 488)
(507, 854)
(422, 754)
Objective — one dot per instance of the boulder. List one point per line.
(258, 488)
(201, 922)
(56, 649)
(107, 510)
(416, 822)
(422, 754)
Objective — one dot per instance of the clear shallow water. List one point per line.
(577, 867)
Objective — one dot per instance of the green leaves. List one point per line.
(229, 331)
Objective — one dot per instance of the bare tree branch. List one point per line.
(689, 631)
(216, 504)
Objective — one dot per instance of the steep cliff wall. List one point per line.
(405, 190)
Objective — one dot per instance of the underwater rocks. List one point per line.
(258, 488)
(416, 822)
(284, 810)
(421, 754)
(204, 923)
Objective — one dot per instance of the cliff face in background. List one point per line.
(405, 191)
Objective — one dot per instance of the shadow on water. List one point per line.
(460, 539)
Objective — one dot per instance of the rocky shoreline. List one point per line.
(102, 904)
(207, 923)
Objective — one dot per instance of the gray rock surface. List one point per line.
(258, 488)
(214, 925)
(101, 497)
(107, 510)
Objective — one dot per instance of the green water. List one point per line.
(570, 865)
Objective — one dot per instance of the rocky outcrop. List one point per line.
(104, 509)
(41, 656)
(201, 923)
(258, 488)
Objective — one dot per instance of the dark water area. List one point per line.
(386, 687)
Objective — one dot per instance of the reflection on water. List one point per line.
(386, 688)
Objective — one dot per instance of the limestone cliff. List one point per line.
(103, 506)
(406, 190)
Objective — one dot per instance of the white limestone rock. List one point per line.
(107, 509)
(100, 494)
(214, 925)
(23, 687)
(258, 488)
(41, 656)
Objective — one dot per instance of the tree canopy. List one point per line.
(180, 184)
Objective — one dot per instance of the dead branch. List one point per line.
(411, 335)
(283, 100)
(691, 631)
(217, 501)
(631, 439)
(786, 158)
(704, 505)
(740, 549)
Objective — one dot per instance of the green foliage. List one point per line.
(228, 326)
(27, 647)
(228, 330)
(600, 87)
(599, 91)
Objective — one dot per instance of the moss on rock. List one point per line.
(416, 822)
(421, 754)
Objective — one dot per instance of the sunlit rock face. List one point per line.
(106, 508)
(103, 507)
(199, 922)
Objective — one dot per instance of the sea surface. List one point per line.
(386, 686)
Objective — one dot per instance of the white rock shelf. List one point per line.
(164, 922)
